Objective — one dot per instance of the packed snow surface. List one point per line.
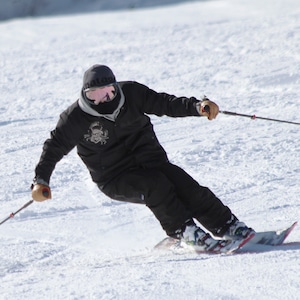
(244, 55)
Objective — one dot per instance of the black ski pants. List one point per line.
(172, 195)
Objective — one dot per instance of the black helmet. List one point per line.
(98, 76)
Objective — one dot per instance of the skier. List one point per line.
(116, 141)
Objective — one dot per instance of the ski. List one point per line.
(221, 247)
(264, 239)
(272, 238)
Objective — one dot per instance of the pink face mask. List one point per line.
(101, 94)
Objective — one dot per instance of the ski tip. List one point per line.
(291, 228)
(288, 230)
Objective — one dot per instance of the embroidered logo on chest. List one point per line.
(97, 134)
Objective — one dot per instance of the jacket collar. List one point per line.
(112, 117)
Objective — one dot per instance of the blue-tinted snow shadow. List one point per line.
(33, 8)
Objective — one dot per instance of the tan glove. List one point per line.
(40, 192)
(209, 109)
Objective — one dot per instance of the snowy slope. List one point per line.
(81, 245)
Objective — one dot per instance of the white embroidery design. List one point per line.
(97, 134)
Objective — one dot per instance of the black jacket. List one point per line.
(108, 147)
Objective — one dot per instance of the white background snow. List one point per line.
(245, 55)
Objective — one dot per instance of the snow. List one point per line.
(81, 245)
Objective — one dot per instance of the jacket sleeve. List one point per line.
(165, 104)
(63, 139)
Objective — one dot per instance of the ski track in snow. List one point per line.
(82, 245)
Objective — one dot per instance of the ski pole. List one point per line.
(14, 213)
(253, 117)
